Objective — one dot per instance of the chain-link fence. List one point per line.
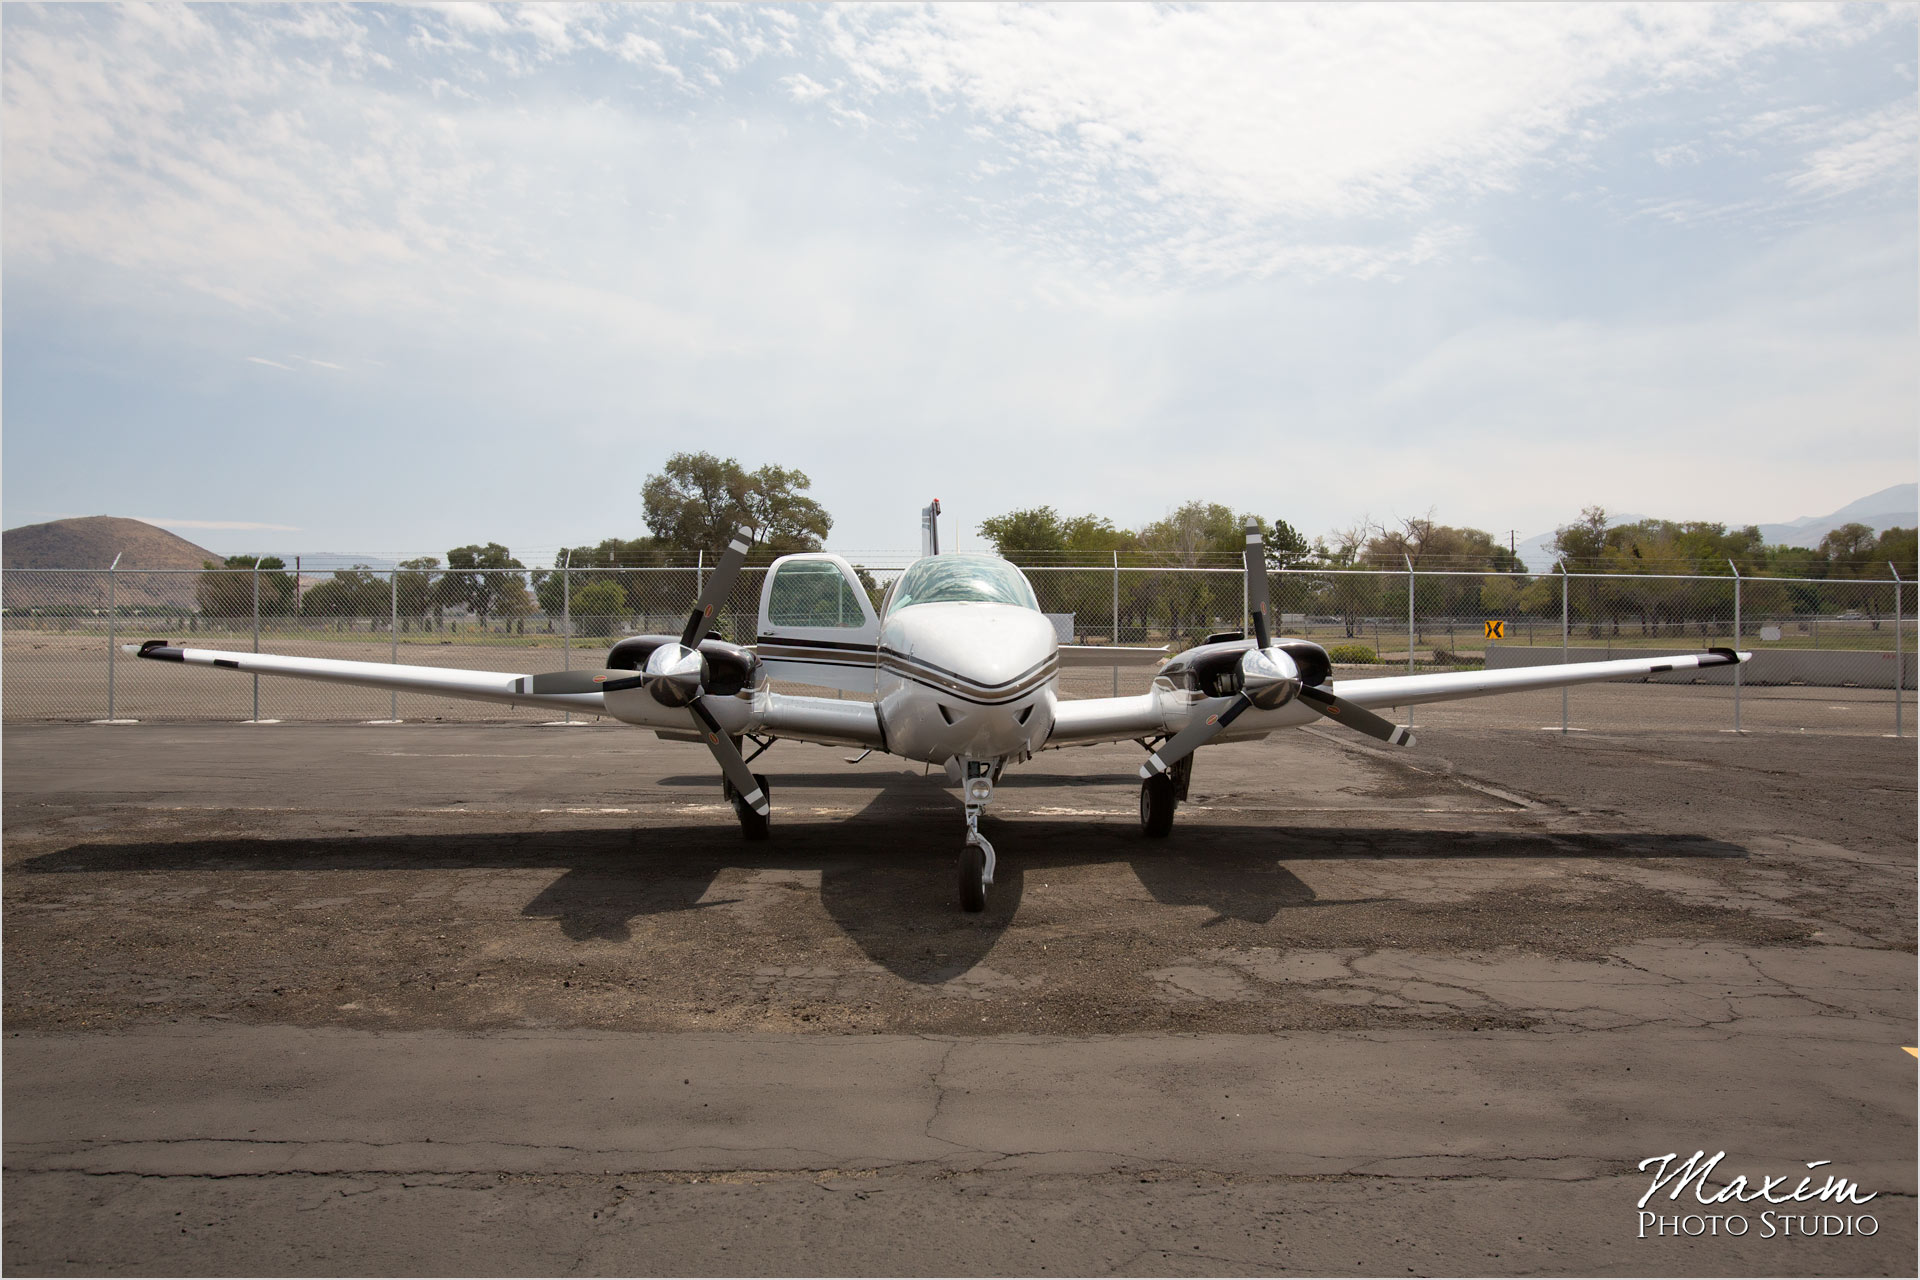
(62, 628)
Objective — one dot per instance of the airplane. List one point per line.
(962, 671)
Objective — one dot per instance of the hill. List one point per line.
(1898, 505)
(91, 542)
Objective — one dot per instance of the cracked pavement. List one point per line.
(516, 1000)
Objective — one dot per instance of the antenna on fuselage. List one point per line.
(930, 529)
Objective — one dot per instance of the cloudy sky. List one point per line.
(395, 279)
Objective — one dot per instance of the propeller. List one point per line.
(1324, 701)
(1269, 678)
(1257, 584)
(717, 588)
(676, 675)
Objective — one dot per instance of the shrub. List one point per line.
(1351, 653)
(597, 609)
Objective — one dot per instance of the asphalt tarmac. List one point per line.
(518, 1000)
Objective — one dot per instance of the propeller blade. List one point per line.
(715, 592)
(730, 762)
(1209, 718)
(1324, 701)
(584, 681)
(1257, 583)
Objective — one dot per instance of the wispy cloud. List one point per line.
(1862, 151)
(271, 364)
(1162, 139)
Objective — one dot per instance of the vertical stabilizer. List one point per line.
(930, 529)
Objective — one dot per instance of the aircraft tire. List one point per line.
(752, 825)
(973, 878)
(1157, 803)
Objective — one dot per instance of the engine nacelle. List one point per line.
(731, 669)
(1226, 667)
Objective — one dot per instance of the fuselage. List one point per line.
(966, 664)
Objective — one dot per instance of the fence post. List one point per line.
(1899, 655)
(113, 630)
(393, 637)
(1409, 560)
(256, 635)
(1563, 642)
(1116, 618)
(1736, 644)
(566, 620)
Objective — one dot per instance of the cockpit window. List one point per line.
(966, 579)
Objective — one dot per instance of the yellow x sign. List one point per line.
(1496, 630)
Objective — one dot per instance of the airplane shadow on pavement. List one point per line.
(887, 872)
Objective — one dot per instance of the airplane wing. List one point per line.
(1447, 686)
(809, 719)
(1082, 721)
(451, 682)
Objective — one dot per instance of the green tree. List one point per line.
(1023, 533)
(1902, 548)
(1848, 550)
(698, 500)
(598, 608)
(418, 589)
(610, 553)
(1583, 541)
(474, 578)
(349, 593)
(1096, 537)
(1192, 535)
(225, 589)
(1499, 595)
(1286, 547)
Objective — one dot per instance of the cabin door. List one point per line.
(816, 624)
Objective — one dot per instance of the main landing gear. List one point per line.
(976, 856)
(752, 824)
(1160, 795)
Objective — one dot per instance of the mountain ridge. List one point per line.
(1896, 506)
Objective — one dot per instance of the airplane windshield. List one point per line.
(965, 579)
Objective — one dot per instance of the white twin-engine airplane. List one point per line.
(962, 669)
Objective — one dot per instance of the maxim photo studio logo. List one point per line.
(1768, 1207)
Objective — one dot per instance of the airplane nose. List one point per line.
(986, 653)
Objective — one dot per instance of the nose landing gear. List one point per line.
(976, 856)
